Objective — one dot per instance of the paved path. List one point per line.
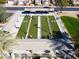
(14, 23)
(28, 27)
(39, 28)
(66, 42)
(62, 27)
(37, 46)
(49, 24)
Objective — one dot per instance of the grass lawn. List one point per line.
(1, 57)
(23, 29)
(72, 25)
(33, 27)
(54, 27)
(44, 26)
(53, 23)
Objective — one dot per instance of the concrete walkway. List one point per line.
(62, 27)
(49, 24)
(28, 27)
(39, 28)
(14, 23)
(37, 46)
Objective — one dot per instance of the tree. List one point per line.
(71, 3)
(60, 4)
(6, 42)
(51, 1)
(3, 14)
(2, 1)
(33, 2)
(47, 54)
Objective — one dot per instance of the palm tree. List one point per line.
(5, 43)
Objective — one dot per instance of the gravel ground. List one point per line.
(69, 13)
